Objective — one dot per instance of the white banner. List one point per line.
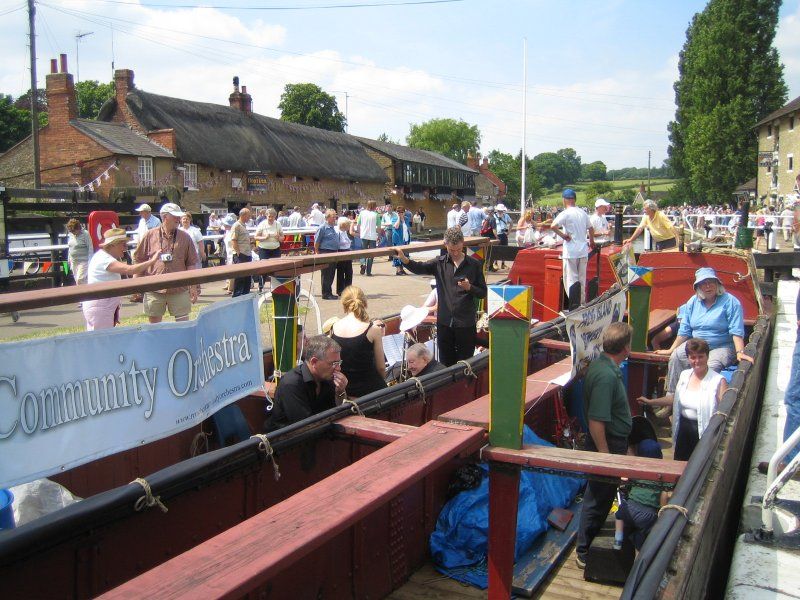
(68, 400)
(585, 328)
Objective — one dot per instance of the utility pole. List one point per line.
(78, 37)
(37, 175)
(648, 171)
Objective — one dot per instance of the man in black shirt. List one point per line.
(310, 388)
(459, 280)
(420, 361)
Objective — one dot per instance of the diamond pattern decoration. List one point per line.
(641, 276)
(509, 302)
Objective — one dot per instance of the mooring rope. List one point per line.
(467, 369)
(266, 448)
(420, 388)
(354, 407)
(681, 509)
(148, 500)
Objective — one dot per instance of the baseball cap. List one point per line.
(501, 207)
(568, 193)
(144, 207)
(601, 202)
(172, 209)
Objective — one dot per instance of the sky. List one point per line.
(599, 73)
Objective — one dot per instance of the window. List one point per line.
(190, 176)
(145, 171)
(789, 163)
(791, 123)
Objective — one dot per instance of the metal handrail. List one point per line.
(776, 482)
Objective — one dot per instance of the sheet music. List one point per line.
(393, 347)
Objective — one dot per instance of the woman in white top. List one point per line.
(79, 252)
(196, 235)
(106, 265)
(268, 237)
(697, 394)
(344, 268)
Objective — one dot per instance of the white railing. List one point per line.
(776, 482)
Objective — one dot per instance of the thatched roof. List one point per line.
(414, 155)
(227, 138)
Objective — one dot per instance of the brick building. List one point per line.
(422, 179)
(778, 152)
(488, 186)
(196, 153)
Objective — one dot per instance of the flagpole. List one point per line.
(524, 120)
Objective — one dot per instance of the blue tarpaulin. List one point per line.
(459, 542)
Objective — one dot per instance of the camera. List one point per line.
(166, 257)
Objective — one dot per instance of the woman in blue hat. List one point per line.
(713, 315)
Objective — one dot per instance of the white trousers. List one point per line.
(575, 270)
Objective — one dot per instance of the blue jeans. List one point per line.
(792, 399)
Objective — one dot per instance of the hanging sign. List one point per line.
(69, 400)
(586, 325)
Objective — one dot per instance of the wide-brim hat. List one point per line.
(500, 207)
(229, 220)
(704, 273)
(111, 236)
(411, 316)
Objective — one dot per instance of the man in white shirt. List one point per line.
(452, 216)
(316, 217)
(147, 220)
(598, 221)
(367, 227)
(572, 225)
(463, 219)
(295, 218)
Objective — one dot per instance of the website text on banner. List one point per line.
(68, 400)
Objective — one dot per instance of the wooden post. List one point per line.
(284, 323)
(510, 310)
(639, 281)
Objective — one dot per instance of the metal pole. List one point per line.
(37, 175)
(524, 121)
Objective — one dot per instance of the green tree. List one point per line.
(451, 138)
(91, 96)
(15, 123)
(730, 77)
(573, 162)
(384, 137)
(551, 168)
(597, 189)
(24, 101)
(308, 104)
(594, 171)
(508, 168)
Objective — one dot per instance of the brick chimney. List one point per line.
(472, 161)
(240, 100)
(62, 104)
(123, 83)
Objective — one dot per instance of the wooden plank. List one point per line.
(644, 357)
(533, 567)
(537, 389)
(246, 556)
(590, 463)
(659, 318)
(364, 428)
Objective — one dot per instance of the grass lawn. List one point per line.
(657, 185)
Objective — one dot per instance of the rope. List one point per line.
(480, 452)
(200, 441)
(420, 388)
(681, 509)
(266, 448)
(354, 407)
(148, 500)
(722, 414)
(467, 369)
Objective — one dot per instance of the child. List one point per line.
(638, 512)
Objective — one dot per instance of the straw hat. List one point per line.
(411, 316)
(111, 236)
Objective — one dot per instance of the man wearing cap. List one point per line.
(599, 223)
(175, 251)
(572, 225)
(147, 220)
(459, 280)
(316, 217)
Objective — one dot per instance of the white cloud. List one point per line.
(787, 41)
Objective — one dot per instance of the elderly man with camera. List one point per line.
(175, 251)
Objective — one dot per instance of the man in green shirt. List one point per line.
(609, 417)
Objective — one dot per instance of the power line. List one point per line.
(286, 8)
(553, 92)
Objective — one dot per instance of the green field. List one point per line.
(656, 185)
